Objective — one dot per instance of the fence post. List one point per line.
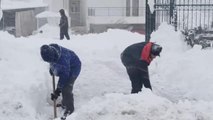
(150, 22)
(171, 11)
(175, 19)
(147, 28)
(173, 14)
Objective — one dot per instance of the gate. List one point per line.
(183, 14)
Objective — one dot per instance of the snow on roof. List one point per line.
(47, 14)
(15, 4)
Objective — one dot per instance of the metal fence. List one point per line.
(183, 14)
(195, 13)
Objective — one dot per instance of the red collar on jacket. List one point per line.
(145, 54)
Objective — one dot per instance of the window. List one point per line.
(75, 7)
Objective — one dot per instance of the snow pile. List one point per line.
(181, 78)
(151, 5)
(142, 106)
(180, 69)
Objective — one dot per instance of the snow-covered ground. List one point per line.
(181, 78)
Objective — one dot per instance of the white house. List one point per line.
(99, 15)
(124, 14)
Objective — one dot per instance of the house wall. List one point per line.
(56, 5)
(106, 3)
(83, 12)
(114, 7)
(109, 12)
(86, 20)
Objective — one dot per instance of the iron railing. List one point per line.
(183, 14)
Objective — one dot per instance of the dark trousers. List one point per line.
(67, 96)
(137, 79)
(64, 32)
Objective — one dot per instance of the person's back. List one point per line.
(67, 65)
(66, 56)
(132, 54)
(136, 58)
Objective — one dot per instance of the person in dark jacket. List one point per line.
(63, 25)
(136, 58)
(65, 64)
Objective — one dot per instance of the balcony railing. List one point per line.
(116, 11)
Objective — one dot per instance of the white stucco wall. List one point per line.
(56, 5)
(118, 17)
(111, 3)
(116, 20)
(83, 11)
(106, 3)
(113, 7)
(142, 3)
(104, 15)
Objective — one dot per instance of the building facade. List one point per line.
(95, 16)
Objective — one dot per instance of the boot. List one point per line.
(66, 113)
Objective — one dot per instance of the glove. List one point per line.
(51, 72)
(54, 96)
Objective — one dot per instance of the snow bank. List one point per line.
(142, 106)
(181, 78)
(181, 69)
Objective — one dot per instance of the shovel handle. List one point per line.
(54, 101)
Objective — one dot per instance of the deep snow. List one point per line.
(181, 78)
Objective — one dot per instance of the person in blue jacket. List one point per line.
(65, 64)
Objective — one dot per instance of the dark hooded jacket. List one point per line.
(63, 21)
(63, 63)
(138, 56)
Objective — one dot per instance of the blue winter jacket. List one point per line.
(67, 67)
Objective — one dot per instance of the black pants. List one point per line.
(67, 96)
(64, 32)
(137, 79)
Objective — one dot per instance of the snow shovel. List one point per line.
(54, 101)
